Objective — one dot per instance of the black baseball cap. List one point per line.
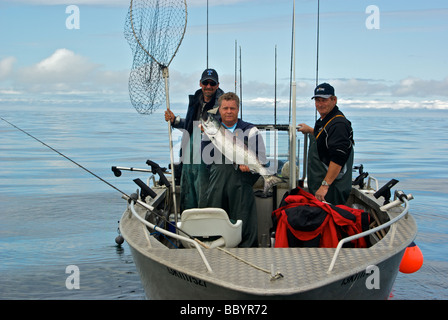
(324, 90)
(210, 74)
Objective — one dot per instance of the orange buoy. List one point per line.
(412, 259)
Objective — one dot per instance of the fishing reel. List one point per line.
(155, 169)
(359, 180)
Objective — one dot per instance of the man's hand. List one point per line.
(169, 116)
(244, 168)
(304, 128)
(321, 193)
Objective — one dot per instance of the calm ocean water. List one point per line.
(55, 215)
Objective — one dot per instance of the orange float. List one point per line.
(412, 259)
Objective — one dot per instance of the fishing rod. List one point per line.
(134, 197)
(207, 34)
(317, 50)
(317, 42)
(293, 100)
(236, 65)
(241, 86)
(146, 188)
(63, 155)
(275, 88)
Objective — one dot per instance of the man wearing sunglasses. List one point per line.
(195, 177)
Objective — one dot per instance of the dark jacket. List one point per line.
(194, 109)
(194, 114)
(334, 136)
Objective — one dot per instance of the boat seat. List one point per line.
(212, 226)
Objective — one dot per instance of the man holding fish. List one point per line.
(236, 158)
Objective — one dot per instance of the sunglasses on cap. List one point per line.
(209, 82)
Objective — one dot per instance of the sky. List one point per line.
(376, 53)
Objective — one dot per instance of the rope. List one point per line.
(275, 276)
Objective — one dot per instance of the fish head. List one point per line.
(211, 125)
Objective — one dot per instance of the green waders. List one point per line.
(232, 191)
(340, 189)
(195, 176)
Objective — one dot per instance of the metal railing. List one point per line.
(166, 232)
(404, 199)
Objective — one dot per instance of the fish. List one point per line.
(237, 152)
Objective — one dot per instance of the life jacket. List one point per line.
(304, 221)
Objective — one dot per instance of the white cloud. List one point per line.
(6, 67)
(407, 88)
(66, 76)
(399, 104)
(409, 93)
(63, 67)
(416, 87)
(72, 2)
(63, 75)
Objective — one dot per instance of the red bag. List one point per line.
(305, 221)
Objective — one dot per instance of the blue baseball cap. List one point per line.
(324, 90)
(210, 74)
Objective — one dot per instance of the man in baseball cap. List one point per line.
(194, 176)
(330, 155)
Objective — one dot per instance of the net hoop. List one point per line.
(143, 47)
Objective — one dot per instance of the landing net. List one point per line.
(154, 30)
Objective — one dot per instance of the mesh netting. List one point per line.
(154, 30)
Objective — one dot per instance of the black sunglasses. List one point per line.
(211, 83)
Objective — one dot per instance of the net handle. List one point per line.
(173, 180)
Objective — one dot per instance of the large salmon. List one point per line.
(232, 146)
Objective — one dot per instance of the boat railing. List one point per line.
(166, 232)
(402, 199)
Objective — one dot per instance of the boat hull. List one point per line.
(359, 273)
(162, 282)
